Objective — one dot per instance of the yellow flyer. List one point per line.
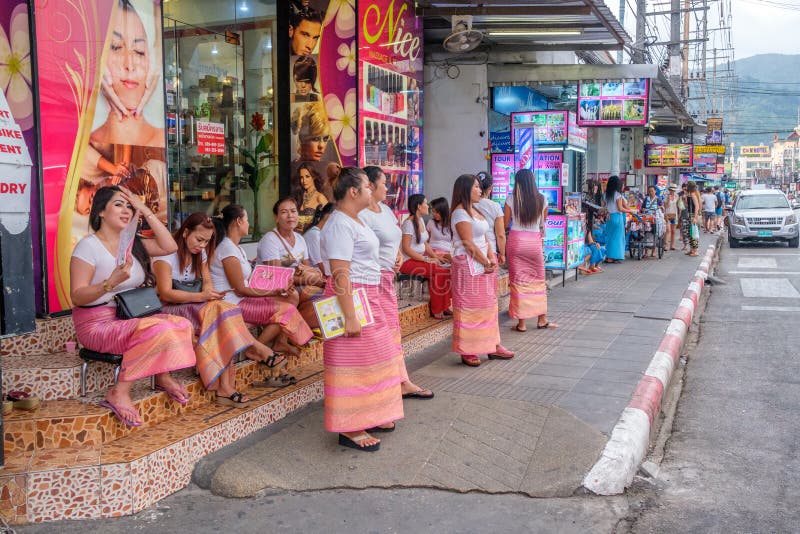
(331, 318)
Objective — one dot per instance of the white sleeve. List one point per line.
(84, 251)
(429, 228)
(226, 249)
(461, 215)
(340, 241)
(312, 244)
(269, 248)
(408, 227)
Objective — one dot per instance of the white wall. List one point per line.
(453, 122)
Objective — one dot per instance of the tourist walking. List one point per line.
(474, 278)
(615, 225)
(525, 213)
(363, 368)
(671, 209)
(153, 345)
(693, 209)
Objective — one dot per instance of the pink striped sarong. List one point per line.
(264, 310)
(149, 346)
(363, 374)
(475, 324)
(221, 334)
(387, 300)
(526, 275)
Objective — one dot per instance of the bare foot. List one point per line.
(362, 442)
(258, 352)
(170, 385)
(286, 347)
(409, 387)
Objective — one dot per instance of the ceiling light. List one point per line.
(532, 33)
(243, 6)
(214, 49)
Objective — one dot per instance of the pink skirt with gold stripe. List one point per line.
(526, 275)
(475, 326)
(264, 311)
(149, 346)
(363, 374)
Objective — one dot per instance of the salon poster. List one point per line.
(390, 95)
(101, 90)
(323, 103)
(502, 177)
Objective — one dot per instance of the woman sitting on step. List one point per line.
(184, 286)
(153, 345)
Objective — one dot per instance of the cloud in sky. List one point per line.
(759, 28)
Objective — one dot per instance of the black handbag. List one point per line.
(137, 303)
(195, 286)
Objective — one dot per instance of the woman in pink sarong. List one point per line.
(152, 345)
(527, 208)
(363, 368)
(474, 279)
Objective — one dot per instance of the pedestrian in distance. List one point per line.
(525, 212)
(709, 203)
(363, 367)
(693, 210)
(671, 202)
(153, 345)
(474, 278)
(381, 220)
(615, 225)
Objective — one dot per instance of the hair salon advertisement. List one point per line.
(101, 89)
(390, 95)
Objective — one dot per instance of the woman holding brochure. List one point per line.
(184, 286)
(230, 271)
(527, 207)
(382, 221)
(363, 368)
(474, 279)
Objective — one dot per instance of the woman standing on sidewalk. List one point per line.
(615, 226)
(493, 214)
(671, 214)
(692, 229)
(474, 279)
(421, 260)
(381, 220)
(363, 368)
(527, 207)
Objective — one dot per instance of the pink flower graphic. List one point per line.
(344, 13)
(347, 58)
(342, 120)
(15, 67)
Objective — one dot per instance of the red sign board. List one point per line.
(211, 138)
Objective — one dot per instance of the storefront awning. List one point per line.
(518, 25)
(666, 109)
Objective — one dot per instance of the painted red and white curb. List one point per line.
(630, 438)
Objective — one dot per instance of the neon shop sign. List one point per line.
(377, 23)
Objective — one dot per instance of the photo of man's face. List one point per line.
(303, 87)
(305, 37)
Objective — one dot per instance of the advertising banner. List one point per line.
(549, 127)
(614, 103)
(668, 155)
(523, 148)
(709, 149)
(502, 177)
(547, 169)
(555, 230)
(576, 136)
(390, 95)
(705, 163)
(714, 131)
(757, 151)
(103, 64)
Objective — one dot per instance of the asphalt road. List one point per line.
(731, 463)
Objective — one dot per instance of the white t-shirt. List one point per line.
(491, 210)
(480, 228)
(709, 201)
(416, 246)
(92, 251)
(516, 225)
(612, 206)
(311, 238)
(271, 247)
(384, 224)
(182, 275)
(226, 249)
(441, 238)
(345, 239)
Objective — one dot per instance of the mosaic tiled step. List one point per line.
(49, 337)
(135, 471)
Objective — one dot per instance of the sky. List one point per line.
(761, 27)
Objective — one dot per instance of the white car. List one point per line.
(762, 215)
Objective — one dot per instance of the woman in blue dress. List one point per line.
(615, 226)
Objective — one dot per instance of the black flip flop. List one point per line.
(347, 442)
(543, 326)
(518, 329)
(270, 361)
(380, 429)
(418, 395)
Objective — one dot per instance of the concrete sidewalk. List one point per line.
(533, 425)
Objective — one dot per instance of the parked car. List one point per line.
(762, 215)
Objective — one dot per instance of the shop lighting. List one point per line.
(243, 6)
(214, 49)
(533, 33)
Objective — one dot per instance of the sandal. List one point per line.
(584, 270)
(423, 394)
(518, 329)
(234, 399)
(353, 442)
(272, 363)
(279, 381)
(23, 401)
(502, 354)
(381, 429)
(117, 411)
(471, 360)
(546, 325)
(174, 394)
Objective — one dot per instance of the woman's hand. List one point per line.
(352, 327)
(134, 200)
(150, 87)
(120, 273)
(209, 293)
(115, 105)
(398, 261)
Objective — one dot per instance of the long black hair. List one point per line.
(486, 182)
(614, 185)
(414, 202)
(139, 253)
(297, 188)
(462, 193)
(320, 214)
(227, 216)
(528, 201)
(373, 173)
(440, 206)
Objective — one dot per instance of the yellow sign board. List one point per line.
(709, 149)
(759, 150)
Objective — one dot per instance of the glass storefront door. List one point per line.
(220, 106)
